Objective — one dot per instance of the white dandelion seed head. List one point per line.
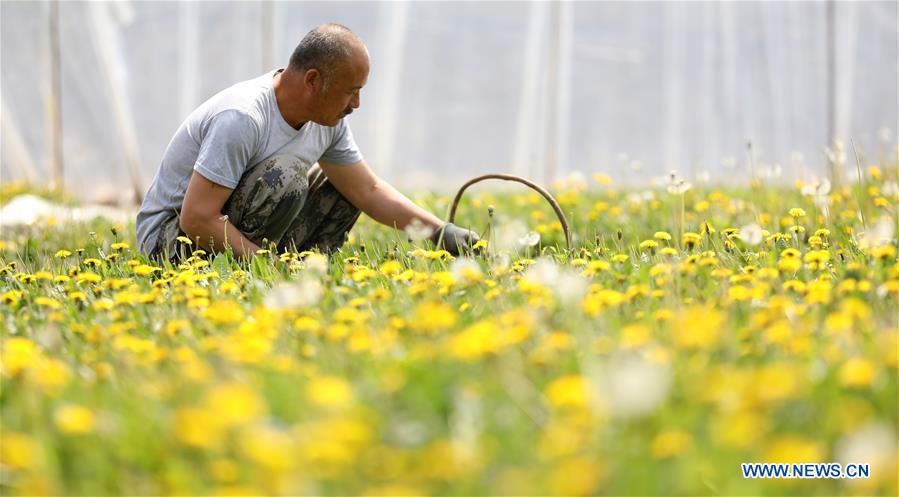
(873, 443)
(287, 295)
(501, 262)
(465, 268)
(751, 234)
(633, 386)
(679, 187)
(880, 234)
(508, 235)
(529, 239)
(543, 272)
(890, 188)
(316, 263)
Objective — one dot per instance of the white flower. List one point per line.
(465, 269)
(836, 155)
(880, 234)
(508, 234)
(633, 386)
(873, 443)
(289, 295)
(574, 181)
(633, 198)
(316, 263)
(679, 187)
(676, 185)
(530, 239)
(817, 188)
(568, 286)
(751, 234)
(501, 262)
(767, 171)
(544, 272)
(418, 230)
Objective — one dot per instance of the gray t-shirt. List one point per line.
(227, 135)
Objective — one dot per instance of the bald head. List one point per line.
(325, 48)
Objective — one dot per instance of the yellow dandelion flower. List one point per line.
(19, 451)
(602, 179)
(476, 341)
(670, 444)
(74, 419)
(197, 427)
(17, 354)
(575, 476)
(883, 252)
(330, 391)
(698, 328)
(648, 244)
(431, 317)
(790, 449)
(739, 430)
(145, 270)
(62, 254)
(220, 312)
(635, 336)
(691, 240)
(572, 391)
(235, 404)
(47, 302)
(817, 257)
(11, 297)
(857, 372)
(269, 447)
(620, 258)
(177, 326)
(78, 297)
(88, 277)
(391, 268)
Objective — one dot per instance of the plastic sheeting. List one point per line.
(633, 89)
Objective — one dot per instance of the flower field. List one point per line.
(688, 330)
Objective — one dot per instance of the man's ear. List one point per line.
(312, 80)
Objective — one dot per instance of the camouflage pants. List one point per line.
(284, 201)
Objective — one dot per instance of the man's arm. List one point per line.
(201, 218)
(380, 201)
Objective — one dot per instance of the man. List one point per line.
(242, 168)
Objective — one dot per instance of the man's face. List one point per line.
(341, 96)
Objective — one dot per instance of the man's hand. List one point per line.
(201, 218)
(455, 239)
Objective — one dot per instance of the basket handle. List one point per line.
(509, 177)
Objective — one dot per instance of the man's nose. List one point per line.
(355, 101)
